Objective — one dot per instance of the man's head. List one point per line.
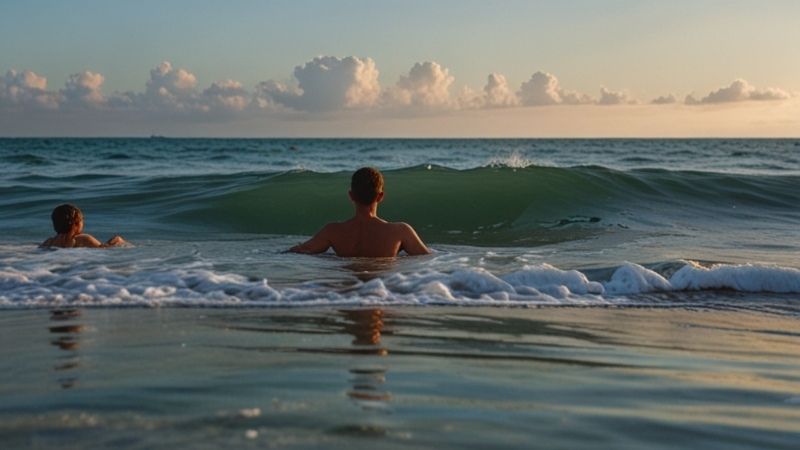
(67, 218)
(366, 186)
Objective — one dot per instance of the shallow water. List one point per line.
(399, 378)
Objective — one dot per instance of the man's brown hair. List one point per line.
(366, 184)
(64, 217)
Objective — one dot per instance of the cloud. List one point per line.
(323, 84)
(172, 89)
(228, 95)
(575, 98)
(665, 99)
(26, 89)
(608, 97)
(265, 93)
(541, 89)
(427, 85)
(739, 91)
(544, 89)
(496, 94)
(328, 83)
(84, 89)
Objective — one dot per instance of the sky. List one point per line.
(400, 68)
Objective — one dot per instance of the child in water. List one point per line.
(68, 224)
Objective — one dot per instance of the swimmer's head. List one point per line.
(66, 217)
(366, 186)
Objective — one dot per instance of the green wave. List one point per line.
(492, 206)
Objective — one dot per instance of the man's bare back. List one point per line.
(366, 234)
(365, 237)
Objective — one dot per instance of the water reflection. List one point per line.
(367, 378)
(68, 340)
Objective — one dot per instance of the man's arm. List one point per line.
(411, 242)
(317, 244)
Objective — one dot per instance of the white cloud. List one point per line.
(609, 97)
(328, 83)
(324, 84)
(495, 94)
(665, 99)
(26, 89)
(228, 95)
(469, 98)
(176, 80)
(541, 89)
(84, 89)
(575, 98)
(266, 91)
(171, 89)
(427, 85)
(174, 90)
(544, 89)
(739, 91)
(498, 93)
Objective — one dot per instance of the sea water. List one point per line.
(511, 222)
(581, 294)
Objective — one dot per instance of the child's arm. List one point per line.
(87, 240)
(116, 241)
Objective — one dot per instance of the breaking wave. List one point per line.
(540, 284)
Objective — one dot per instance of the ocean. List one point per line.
(582, 292)
(511, 222)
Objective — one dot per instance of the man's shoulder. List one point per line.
(332, 226)
(332, 229)
(401, 227)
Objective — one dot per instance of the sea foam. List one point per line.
(539, 284)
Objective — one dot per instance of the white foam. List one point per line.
(530, 285)
(744, 277)
(553, 281)
(634, 279)
(514, 160)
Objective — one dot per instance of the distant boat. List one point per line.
(157, 136)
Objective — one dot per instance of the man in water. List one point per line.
(366, 234)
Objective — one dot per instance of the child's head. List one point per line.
(67, 218)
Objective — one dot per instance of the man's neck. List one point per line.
(367, 211)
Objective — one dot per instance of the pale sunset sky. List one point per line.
(703, 68)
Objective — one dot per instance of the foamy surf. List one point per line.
(539, 284)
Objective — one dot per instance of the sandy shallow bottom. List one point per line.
(399, 378)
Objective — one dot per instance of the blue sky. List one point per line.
(643, 48)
